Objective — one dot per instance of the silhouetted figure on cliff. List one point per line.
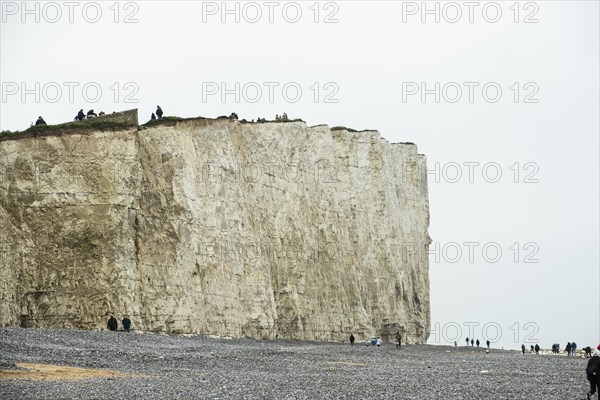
(472, 342)
(477, 342)
(152, 117)
(80, 115)
(537, 349)
(126, 324)
(101, 113)
(467, 340)
(112, 323)
(40, 121)
(91, 114)
(487, 343)
(523, 348)
(159, 112)
(352, 339)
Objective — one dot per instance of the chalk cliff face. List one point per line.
(216, 227)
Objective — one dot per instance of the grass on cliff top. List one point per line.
(343, 128)
(162, 120)
(165, 120)
(86, 123)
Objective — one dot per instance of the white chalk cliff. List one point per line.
(216, 227)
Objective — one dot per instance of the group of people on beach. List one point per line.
(475, 342)
(592, 369)
(376, 341)
(532, 349)
(571, 349)
(112, 324)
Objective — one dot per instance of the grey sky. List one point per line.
(178, 50)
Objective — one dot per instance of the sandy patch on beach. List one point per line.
(49, 372)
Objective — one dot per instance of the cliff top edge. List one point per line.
(128, 120)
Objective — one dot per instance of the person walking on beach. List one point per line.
(568, 348)
(398, 340)
(593, 373)
(112, 323)
(537, 349)
(487, 343)
(573, 348)
(352, 339)
(472, 342)
(467, 340)
(477, 342)
(523, 348)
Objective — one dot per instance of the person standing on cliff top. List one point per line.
(112, 323)
(159, 112)
(40, 121)
(352, 339)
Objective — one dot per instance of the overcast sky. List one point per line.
(512, 141)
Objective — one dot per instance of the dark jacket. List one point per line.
(593, 368)
(112, 324)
